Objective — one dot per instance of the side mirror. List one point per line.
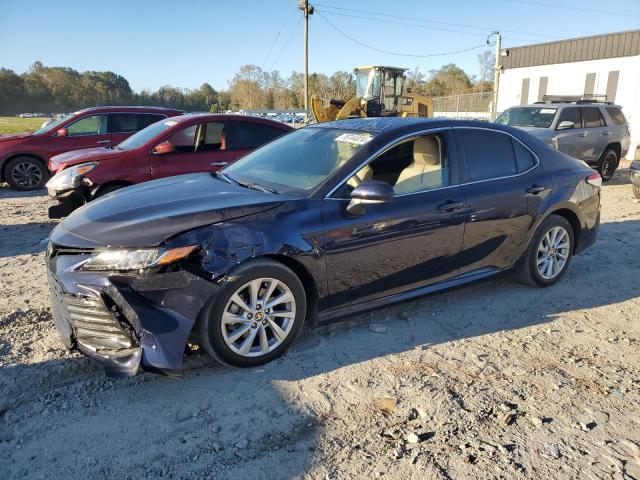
(163, 148)
(62, 132)
(566, 125)
(368, 193)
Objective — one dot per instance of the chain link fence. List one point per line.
(466, 106)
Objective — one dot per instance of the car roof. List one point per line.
(401, 124)
(129, 108)
(220, 117)
(567, 104)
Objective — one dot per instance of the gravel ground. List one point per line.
(495, 380)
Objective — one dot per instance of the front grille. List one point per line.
(91, 322)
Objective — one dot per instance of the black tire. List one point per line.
(209, 329)
(608, 164)
(26, 173)
(102, 191)
(528, 271)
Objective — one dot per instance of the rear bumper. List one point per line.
(126, 322)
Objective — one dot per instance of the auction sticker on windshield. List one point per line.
(354, 138)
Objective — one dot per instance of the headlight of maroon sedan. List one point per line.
(323, 222)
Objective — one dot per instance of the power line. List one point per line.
(577, 9)
(426, 27)
(273, 44)
(287, 42)
(424, 20)
(355, 40)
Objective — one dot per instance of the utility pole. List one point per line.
(306, 11)
(496, 77)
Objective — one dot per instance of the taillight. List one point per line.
(595, 180)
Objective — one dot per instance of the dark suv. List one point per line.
(24, 157)
(596, 133)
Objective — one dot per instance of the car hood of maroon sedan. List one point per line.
(146, 214)
(95, 154)
(16, 136)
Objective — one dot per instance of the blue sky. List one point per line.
(186, 43)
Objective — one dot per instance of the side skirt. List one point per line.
(326, 316)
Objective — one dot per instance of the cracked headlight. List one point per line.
(70, 177)
(123, 260)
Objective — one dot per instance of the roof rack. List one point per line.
(577, 99)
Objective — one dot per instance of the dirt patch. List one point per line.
(495, 380)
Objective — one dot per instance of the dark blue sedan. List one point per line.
(328, 220)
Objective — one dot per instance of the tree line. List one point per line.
(62, 89)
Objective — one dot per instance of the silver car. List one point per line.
(596, 133)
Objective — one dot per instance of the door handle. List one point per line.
(583, 134)
(103, 141)
(450, 206)
(219, 164)
(536, 189)
(606, 133)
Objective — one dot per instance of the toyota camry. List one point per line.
(323, 222)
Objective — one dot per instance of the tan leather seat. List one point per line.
(426, 169)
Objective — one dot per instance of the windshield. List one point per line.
(541, 117)
(299, 161)
(143, 136)
(52, 125)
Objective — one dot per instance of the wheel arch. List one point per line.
(308, 282)
(573, 219)
(123, 183)
(616, 147)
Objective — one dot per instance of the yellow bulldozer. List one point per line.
(380, 92)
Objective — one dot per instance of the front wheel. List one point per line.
(255, 317)
(549, 255)
(608, 164)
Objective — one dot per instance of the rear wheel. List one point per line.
(255, 317)
(26, 173)
(549, 255)
(608, 164)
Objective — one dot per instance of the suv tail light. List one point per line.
(595, 180)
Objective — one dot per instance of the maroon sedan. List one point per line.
(183, 144)
(23, 158)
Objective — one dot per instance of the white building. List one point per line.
(606, 64)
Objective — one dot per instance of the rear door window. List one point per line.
(91, 125)
(616, 115)
(592, 117)
(249, 135)
(488, 154)
(571, 115)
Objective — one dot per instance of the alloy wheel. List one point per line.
(553, 253)
(258, 317)
(26, 175)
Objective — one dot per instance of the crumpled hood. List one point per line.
(95, 154)
(149, 213)
(18, 136)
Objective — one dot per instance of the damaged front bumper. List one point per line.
(126, 322)
(68, 200)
